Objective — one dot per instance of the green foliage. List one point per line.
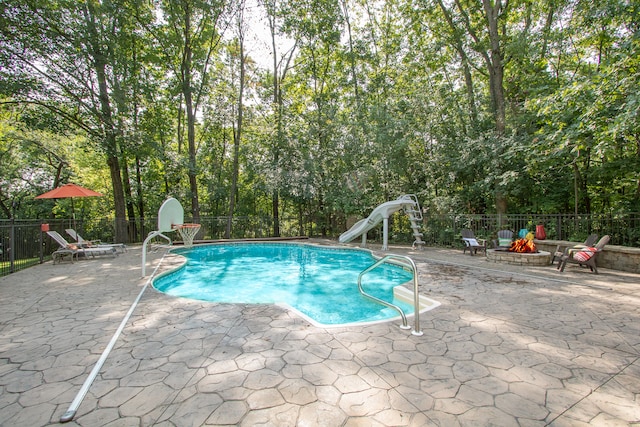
(378, 100)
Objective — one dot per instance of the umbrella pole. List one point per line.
(73, 215)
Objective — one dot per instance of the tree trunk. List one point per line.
(495, 65)
(140, 201)
(3, 207)
(464, 59)
(279, 74)
(118, 199)
(109, 140)
(128, 198)
(234, 178)
(237, 138)
(277, 105)
(191, 120)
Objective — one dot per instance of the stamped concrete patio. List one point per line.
(509, 346)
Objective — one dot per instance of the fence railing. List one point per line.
(444, 230)
(22, 244)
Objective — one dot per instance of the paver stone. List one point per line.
(37, 415)
(195, 410)
(367, 402)
(230, 412)
(44, 393)
(284, 415)
(520, 407)
(320, 414)
(147, 400)
(297, 391)
(264, 378)
(487, 416)
(319, 374)
(266, 398)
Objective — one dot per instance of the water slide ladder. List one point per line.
(415, 215)
(416, 296)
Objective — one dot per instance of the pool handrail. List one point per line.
(416, 296)
(144, 248)
(170, 214)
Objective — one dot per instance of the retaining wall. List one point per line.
(621, 258)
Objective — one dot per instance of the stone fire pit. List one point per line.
(517, 258)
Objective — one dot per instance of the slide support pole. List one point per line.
(385, 234)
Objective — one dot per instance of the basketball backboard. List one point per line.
(170, 214)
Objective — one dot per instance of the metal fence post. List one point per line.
(559, 229)
(41, 245)
(12, 237)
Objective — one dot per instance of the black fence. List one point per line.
(23, 244)
(444, 230)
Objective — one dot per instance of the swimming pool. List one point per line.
(318, 282)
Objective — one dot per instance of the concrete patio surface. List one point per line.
(508, 346)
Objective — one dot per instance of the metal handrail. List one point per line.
(416, 296)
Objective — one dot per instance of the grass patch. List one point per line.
(19, 264)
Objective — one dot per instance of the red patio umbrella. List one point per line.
(69, 191)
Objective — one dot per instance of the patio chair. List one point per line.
(93, 243)
(472, 243)
(66, 246)
(559, 253)
(62, 254)
(504, 240)
(587, 256)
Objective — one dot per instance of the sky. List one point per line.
(258, 38)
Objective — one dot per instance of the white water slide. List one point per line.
(381, 213)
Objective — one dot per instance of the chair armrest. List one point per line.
(469, 242)
(573, 249)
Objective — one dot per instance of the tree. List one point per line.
(28, 158)
(315, 26)
(474, 106)
(237, 133)
(585, 119)
(190, 28)
(61, 55)
(281, 66)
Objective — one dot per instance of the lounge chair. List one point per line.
(586, 256)
(472, 243)
(66, 246)
(62, 254)
(559, 253)
(504, 240)
(93, 243)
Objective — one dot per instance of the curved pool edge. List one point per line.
(400, 292)
(169, 269)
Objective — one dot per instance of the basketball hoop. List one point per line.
(187, 232)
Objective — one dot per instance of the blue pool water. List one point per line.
(319, 282)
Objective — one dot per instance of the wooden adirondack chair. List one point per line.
(586, 256)
(504, 240)
(472, 243)
(559, 252)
